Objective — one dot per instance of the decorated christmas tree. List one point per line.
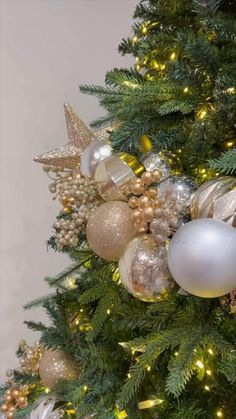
(143, 320)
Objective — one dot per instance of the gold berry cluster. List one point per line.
(29, 362)
(152, 212)
(15, 397)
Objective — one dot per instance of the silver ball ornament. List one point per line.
(93, 155)
(182, 186)
(202, 257)
(144, 271)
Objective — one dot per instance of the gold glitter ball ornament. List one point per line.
(109, 229)
(216, 199)
(144, 271)
(55, 366)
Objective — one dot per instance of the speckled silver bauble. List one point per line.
(109, 229)
(182, 186)
(202, 257)
(168, 163)
(93, 155)
(144, 271)
(56, 365)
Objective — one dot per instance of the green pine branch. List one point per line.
(226, 163)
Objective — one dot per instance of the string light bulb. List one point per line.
(135, 40)
(186, 89)
(108, 311)
(173, 56)
(200, 364)
(207, 388)
(219, 414)
(210, 351)
(209, 372)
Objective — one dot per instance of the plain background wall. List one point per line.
(48, 48)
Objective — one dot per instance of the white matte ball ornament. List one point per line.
(202, 257)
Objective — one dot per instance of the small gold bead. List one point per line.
(15, 393)
(8, 392)
(148, 214)
(144, 201)
(8, 398)
(156, 175)
(136, 215)
(21, 400)
(4, 407)
(147, 178)
(152, 193)
(133, 202)
(138, 189)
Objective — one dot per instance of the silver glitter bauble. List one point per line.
(55, 366)
(182, 186)
(168, 163)
(202, 257)
(144, 271)
(92, 155)
(109, 229)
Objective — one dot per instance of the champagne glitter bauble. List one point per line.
(216, 199)
(114, 172)
(202, 257)
(182, 186)
(144, 271)
(93, 155)
(109, 229)
(55, 366)
(168, 163)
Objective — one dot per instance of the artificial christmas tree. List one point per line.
(125, 339)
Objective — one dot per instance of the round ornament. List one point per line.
(109, 229)
(94, 153)
(55, 366)
(144, 271)
(182, 186)
(201, 258)
(113, 172)
(168, 163)
(216, 199)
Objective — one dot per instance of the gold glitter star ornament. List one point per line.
(79, 137)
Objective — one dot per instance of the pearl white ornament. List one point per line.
(202, 257)
(92, 155)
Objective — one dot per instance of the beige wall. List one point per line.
(48, 48)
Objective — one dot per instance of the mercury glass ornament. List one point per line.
(168, 163)
(114, 172)
(182, 186)
(201, 257)
(55, 366)
(93, 155)
(144, 271)
(216, 199)
(109, 229)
